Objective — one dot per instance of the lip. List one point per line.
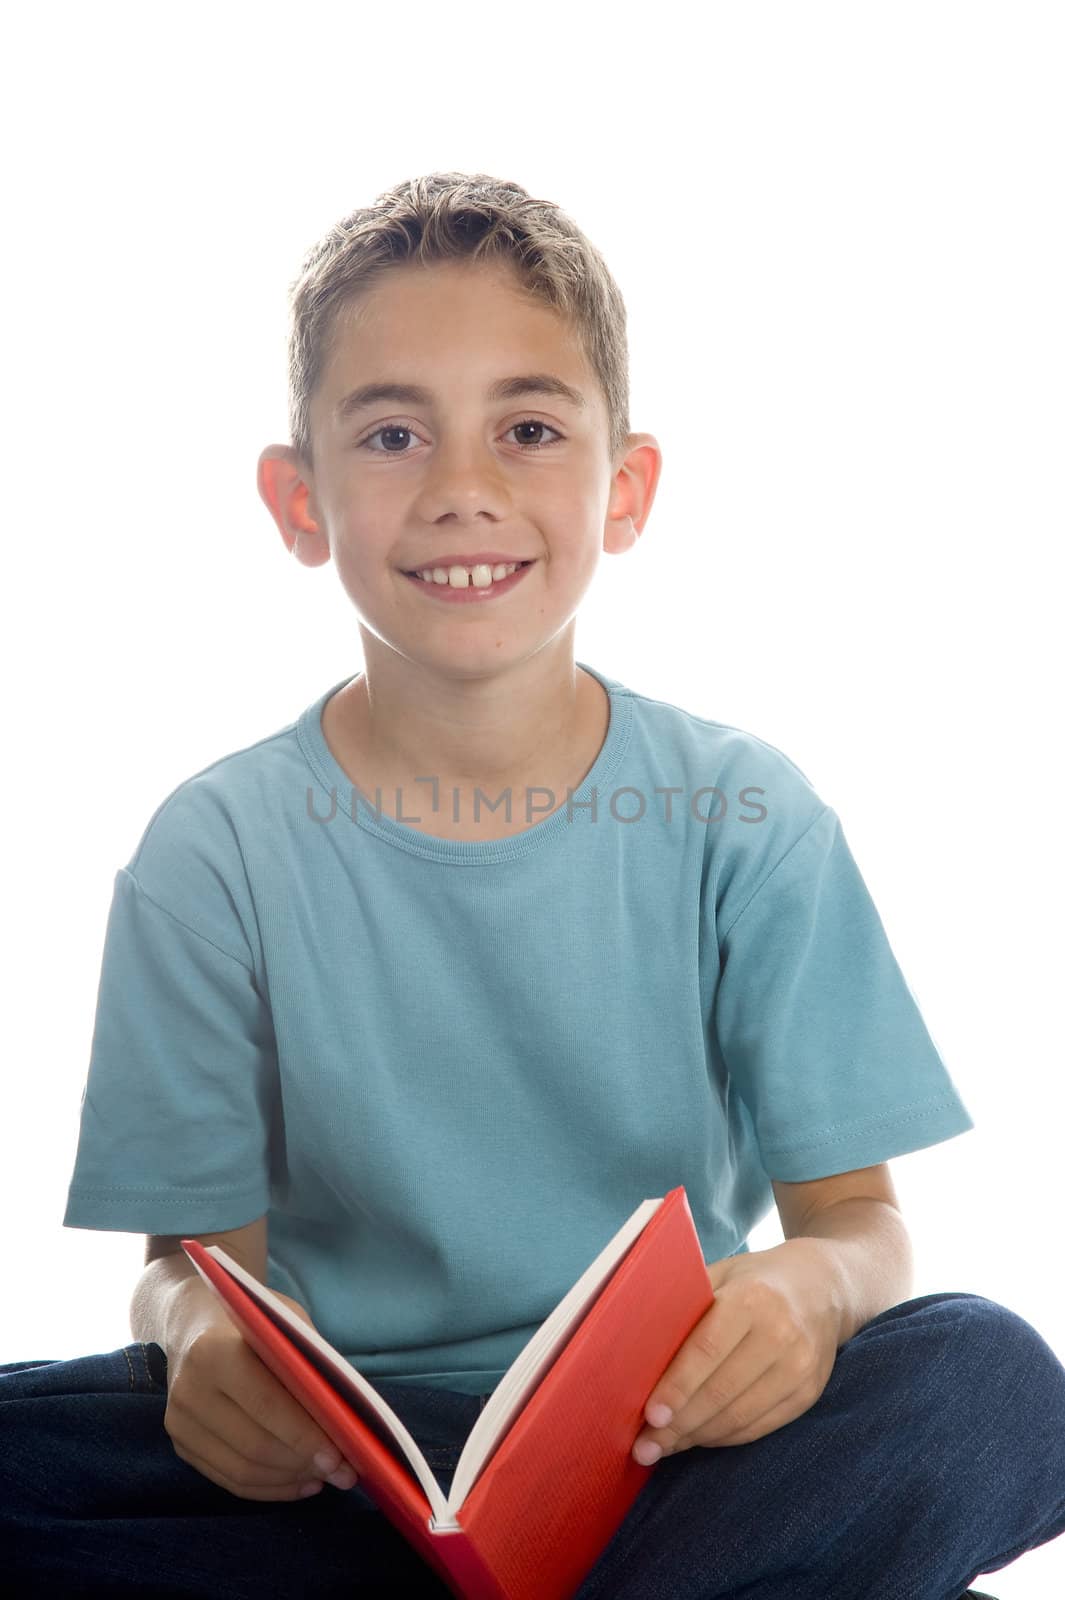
(444, 594)
(486, 558)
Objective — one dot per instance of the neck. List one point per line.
(510, 728)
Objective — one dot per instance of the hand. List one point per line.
(231, 1419)
(759, 1358)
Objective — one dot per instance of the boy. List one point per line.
(410, 1004)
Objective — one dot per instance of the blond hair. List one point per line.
(449, 216)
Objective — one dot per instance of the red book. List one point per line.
(546, 1476)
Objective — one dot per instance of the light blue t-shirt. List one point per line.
(450, 1071)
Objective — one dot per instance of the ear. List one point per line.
(632, 493)
(285, 487)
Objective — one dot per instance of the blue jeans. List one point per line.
(935, 1453)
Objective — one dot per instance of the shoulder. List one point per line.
(192, 859)
(763, 822)
(753, 798)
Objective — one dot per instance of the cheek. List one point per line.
(362, 571)
(361, 543)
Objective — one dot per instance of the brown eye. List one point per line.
(393, 428)
(525, 445)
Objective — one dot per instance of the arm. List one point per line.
(866, 1247)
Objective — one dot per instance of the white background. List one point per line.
(838, 231)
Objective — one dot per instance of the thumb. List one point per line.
(295, 1306)
(719, 1271)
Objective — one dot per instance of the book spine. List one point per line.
(454, 1559)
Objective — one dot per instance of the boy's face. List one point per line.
(399, 485)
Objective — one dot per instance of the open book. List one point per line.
(547, 1474)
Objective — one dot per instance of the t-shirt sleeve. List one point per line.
(178, 1104)
(820, 1033)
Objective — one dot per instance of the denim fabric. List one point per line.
(935, 1453)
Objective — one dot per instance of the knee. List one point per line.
(999, 1420)
(985, 1333)
(988, 1328)
(1002, 1371)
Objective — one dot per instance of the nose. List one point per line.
(464, 483)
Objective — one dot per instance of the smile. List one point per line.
(447, 594)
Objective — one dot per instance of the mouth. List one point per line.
(470, 593)
(445, 566)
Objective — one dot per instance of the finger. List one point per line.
(236, 1445)
(265, 1407)
(709, 1352)
(293, 1490)
(230, 1422)
(712, 1390)
(772, 1389)
(776, 1415)
(218, 1460)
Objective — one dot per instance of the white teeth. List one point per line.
(461, 577)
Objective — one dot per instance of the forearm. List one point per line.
(870, 1256)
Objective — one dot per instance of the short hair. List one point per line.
(449, 216)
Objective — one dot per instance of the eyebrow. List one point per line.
(412, 394)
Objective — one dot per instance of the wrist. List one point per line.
(867, 1258)
(170, 1303)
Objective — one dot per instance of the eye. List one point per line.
(402, 428)
(532, 423)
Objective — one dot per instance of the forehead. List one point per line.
(461, 318)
